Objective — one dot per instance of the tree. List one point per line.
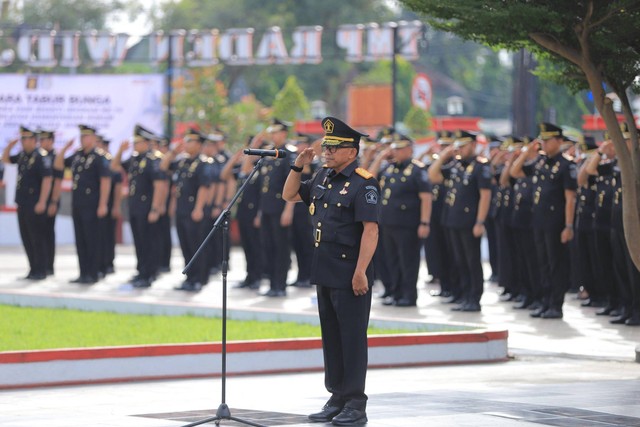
(593, 45)
(290, 103)
(200, 97)
(418, 121)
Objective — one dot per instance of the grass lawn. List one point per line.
(25, 328)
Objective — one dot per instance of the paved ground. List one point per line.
(579, 371)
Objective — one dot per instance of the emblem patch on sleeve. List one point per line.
(371, 197)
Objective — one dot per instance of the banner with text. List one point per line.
(111, 103)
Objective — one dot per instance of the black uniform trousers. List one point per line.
(251, 244)
(508, 279)
(109, 244)
(275, 241)
(553, 257)
(344, 318)
(626, 274)
(491, 226)
(50, 241)
(466, 248)
(434, 251)
(89, 237)
(302, 240)
(605, 280)
(452, 276)
(527, 264)
(189, 234)
(32, 232)
(587, 271)
(402, 254)
(381, 266)
(164, 241)
(145, 239)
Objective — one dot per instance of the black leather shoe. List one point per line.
(88, 280)
(552, 313)
(524, 304)
(274, 293)
(388, 301)
(457, 307)
(471, 307)
(184, 286)
(77, 279)
(326, 414)
(621, 320)
(301, 284)
(385, 294)
(241, 285)
(37, 277)
(606, 311)
(538, 312)
(404, 302)
(350, 417)
(141, 283)
(633, 321)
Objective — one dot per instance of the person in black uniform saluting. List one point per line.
(275, 216)
(32, 190)
(468, 201)
(90, 197)
(146, 202)
(405, 217)
(46, 139)
(343, 204)
(192, 180)
(554, 180)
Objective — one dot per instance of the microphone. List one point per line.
(278, 154)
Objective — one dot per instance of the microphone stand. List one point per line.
(223, 412)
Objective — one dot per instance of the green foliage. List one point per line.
(243, 120)
(418, 121)
(26, 328)
(290, 103)
(67, 14)
(200, 97)
(513, 24)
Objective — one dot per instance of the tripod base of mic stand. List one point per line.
(223, 413)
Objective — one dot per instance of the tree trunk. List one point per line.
(630, 180)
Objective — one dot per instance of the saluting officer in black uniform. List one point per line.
(108, 253)
(468, 201)
(192, 179)
(587, 269)
(554, 179)
(405, 217)
(45, 140)
(164, 222)
(301, 229)
(275, 215)
(438, 251)
(145, 202)
(604, 166)
(235, 175)
(90, 197)
(32, 191)
(343, 204)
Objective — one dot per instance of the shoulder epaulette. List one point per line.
(107, 155)
(325, 166)
(42, 151)
(568, 157)
(418, 163)
(158, 154)
(364, 173)
(482, 159)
